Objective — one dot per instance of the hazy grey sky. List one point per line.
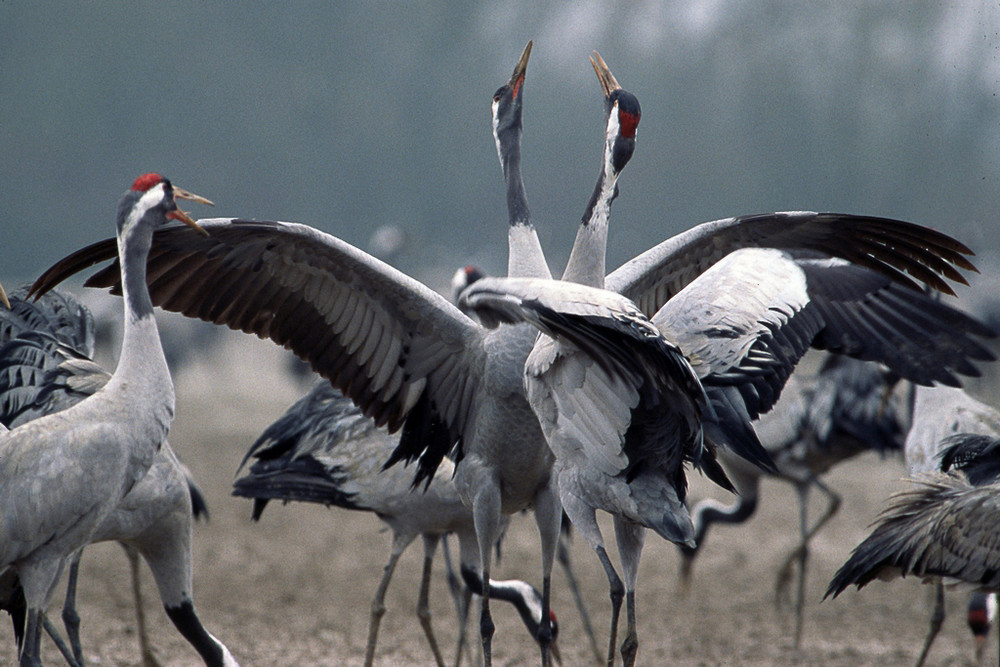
(351, 119)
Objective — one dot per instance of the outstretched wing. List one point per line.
(891, 247)
(388, 342)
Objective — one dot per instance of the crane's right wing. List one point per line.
(394, 346)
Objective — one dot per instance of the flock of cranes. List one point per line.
(594, 392)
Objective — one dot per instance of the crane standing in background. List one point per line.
(944, 528)
(846, 408)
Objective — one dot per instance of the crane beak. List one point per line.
(554, 652)
(604, 75)
(184, 217)
(517, 78)
(3, 298)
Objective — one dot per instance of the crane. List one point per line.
(936, 414)
(944, 527)
(413, 361)
(822, 419)
(781, 309)
(46, 367)
(552, 366)
(323, 450)
(61, 475)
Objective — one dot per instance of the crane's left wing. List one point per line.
(894, 248)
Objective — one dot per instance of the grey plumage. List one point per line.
(945, 528)
(43, 371)
(323, 450)
(61, 475)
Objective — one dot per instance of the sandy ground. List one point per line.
(295, 588)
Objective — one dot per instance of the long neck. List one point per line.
(211, 650)
(526, 600)
(586, 263)
(142, 375)
(525, 257)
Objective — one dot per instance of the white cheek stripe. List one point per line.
(496, 125)
(150, 199)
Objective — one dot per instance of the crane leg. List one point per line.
(57, 639)
(149, 658)
(462, 597)
(463, 618)
(630, 645)
(399, 544)
(616, 592)
(630, 537)
(30, 649)
(454, 583)
(563, 557)
(937, 619)
(70, 618)
(800, 554)
(423, 605)
(548, 517)
(486, 515)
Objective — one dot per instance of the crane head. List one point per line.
(506, 107)
(154, 194)
(623, 114)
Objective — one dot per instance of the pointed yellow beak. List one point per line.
(3, 298)
(184, 217)
(604, 75)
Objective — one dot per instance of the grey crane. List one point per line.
(413, 361)
(46, 367)
(61, 475)
(937, 413)
(625, 354)
(552, 366)
(323, 450)
(944, 528)
(783, 310)
(844, 409)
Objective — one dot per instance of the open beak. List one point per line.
(604, 75)
(522, 65)
(184, 217)
(3, 298)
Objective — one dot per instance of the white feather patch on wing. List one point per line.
(583, 411)
(718, 317)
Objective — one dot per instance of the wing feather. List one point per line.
(380, 336)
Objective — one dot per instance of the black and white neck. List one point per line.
(525, 598)
(525, 258)
(586, 263)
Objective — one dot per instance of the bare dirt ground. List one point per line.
(295, 588)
